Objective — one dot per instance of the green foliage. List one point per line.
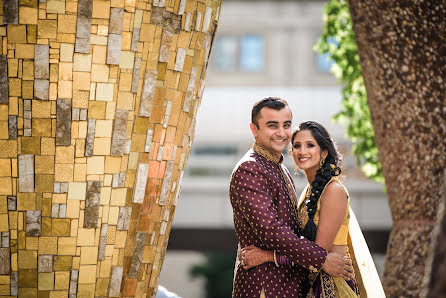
(218, 269)
(337, 41)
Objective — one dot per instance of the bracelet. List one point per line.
(275, 259)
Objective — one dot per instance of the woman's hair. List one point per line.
(329, 169)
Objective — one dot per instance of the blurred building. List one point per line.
(262, 48)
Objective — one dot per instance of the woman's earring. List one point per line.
(321, 162)
(296, 170)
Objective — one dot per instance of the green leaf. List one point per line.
(355, 113)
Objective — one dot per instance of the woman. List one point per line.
(324, 216)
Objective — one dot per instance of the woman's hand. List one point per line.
(252, 256)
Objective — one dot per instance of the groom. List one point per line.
(264, 203)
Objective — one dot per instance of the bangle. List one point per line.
(275, 259)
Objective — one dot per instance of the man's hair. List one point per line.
(274, 103)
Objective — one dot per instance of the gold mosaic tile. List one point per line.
(44, 164)
(85, 237)
(80, 172)
(86, 290)
(26, 201)
(65, 89)
(4, 222)
(96, 109)
(87, 274)
(102, 286)
(62, 280)
(46, 281)
(65, 154)
(101, 9)
(32, 243)
(63, 172)
(61, 226)
(89, 255)
(62, 263)
(41, 127)
(66, 23)
(58, 294)
(81, 81)
(66, 245)
(48, 245)
(5, 167)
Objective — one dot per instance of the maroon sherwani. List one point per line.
(264, 216)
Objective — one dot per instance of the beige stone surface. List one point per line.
(66, 52)
(101, 146)
(99, 54)
(118, 197)
(101, 9)
(95, 165)
(77, 190)
(82, 62)
(85, 237)
(104, 128)
(89, 255)
(81, 81)
(104, 91)
(99, 73)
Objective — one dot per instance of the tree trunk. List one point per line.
(97, 114)
(402, 50)
(436, 267)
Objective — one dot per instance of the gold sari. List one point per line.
(367, 279)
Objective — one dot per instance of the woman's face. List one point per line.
(306, 151)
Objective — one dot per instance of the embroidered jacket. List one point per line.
(265, 216)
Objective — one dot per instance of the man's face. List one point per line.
(274, 131)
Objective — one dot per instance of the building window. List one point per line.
(244, 53)
(225, 54)
(252, 54)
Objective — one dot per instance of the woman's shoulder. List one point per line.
(335, 190)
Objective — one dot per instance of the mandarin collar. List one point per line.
(267, 154)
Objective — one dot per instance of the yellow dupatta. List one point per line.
(367, 279)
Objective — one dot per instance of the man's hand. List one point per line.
(338, 266)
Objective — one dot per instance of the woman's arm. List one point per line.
(331, 215)
(334, 203)
(252, 256)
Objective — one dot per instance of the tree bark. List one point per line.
(436, 267)
(402, 52)
(98, 101)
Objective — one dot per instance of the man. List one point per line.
(264, 204)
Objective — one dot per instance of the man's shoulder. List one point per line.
(248, 161)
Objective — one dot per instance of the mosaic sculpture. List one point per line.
(97, 107)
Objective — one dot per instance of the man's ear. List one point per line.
(253, 129)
